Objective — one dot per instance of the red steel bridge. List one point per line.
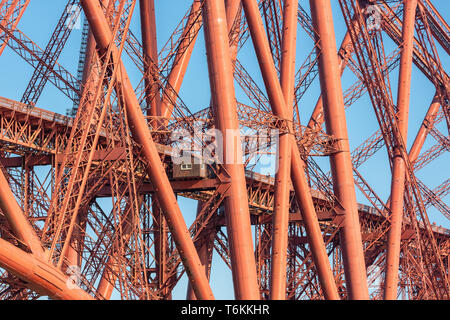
(90, 200)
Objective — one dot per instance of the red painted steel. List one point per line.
(399, 170)
(333, 101)
(301, 187)
(176, 76)
(155, 169)
(42, 276)
(282, 178)
(17, 219)
(90, 206)
(150, 51)
(425, 128)
(226, 120)
(12, 17)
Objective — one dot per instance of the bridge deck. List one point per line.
(53, 126)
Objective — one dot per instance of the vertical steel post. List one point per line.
(150, 48)
(425, 128)
(341, 164)
(176, 76)
(232, 10)
(204, 249)
(282, 177)
(316, 119)
(161, 242)
(156, 171)
(301, 187)
(225, 114)
(17, 220)
(399, 168)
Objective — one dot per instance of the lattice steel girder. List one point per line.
(31, 267)
(184, 52)
(33, 54)
(375, 142)
(17, 219)
(439, 26)
(422, 59)
(150, 52)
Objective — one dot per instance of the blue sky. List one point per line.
(41, 17)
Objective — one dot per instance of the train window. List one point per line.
(186, 167)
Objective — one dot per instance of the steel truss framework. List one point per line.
(300, 234)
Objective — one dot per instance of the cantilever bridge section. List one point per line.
(294, 200)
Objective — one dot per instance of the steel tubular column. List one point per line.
(141, 133)
(341, 164)
(399, 170)
(316, 120)
(40, 275)
(91, 58)
(176, 76)
(232, 10)
(301, 187)
(17, 219)
(149, 44)
(75, 250)
(425, 128)
(225, 113)
(282, 178)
